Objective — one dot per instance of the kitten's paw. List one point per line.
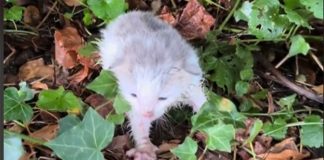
(143, 152)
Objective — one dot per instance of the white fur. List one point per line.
(150, 60)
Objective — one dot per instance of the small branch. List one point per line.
(318, 62)
(47, 15)
(13, 52)
(285, 82)
(229, 15)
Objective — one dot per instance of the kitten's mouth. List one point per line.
(149, 115)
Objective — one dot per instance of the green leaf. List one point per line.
(277, 130)
(121, 105)
(68, 122)
(312, 131)
(241, 88)
(315, 6)
(287, 102)
(186, 150)
(86, 140)
(25, 91)
(246, 74)
(87, 17)
(13, 148)
(87, 50)
(298, 45)
(13, 14)
(296, 18)
(244, 12)
(58, 100)
(14, 106)
(116, 118)
(254, 131)
(107, 9)
(105, 84)
(219, 137)
(261, 95)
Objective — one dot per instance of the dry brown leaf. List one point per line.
(72, 3)
(39, 86)
(285, 150)
(35, 69)
(319, 89)
(46, 133)
(120, 143)
(79, 76)
(195, 21)
(167, 16)
(167, 146)
(97, 100)
(32, 15)
(67, 42)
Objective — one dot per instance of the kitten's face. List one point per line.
(151, 93)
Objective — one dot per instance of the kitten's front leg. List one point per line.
(196, 96)
(144, 149)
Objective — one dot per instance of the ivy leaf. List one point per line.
(276, 130)
(219, 137)
(315, 6)
(254, 131)
(107, 9)
(121, 105)
(246, 74)
(312, 131)
(58, 100)
(244, 12)
(296, 18)
(298, 45)
(13, 14)
(68, 122)
(105, 84)
(287, 102)
(87, 50)
(116, 118)
(241, 88)
(13, 147)
(25, 91)
(93, 134)
(15, 107)
(186, 150)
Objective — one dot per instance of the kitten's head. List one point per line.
(151, 90)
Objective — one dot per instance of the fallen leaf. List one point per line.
(97, 100)
(35, 69)
(67, 42)
(167, 16)
(39, 86)
(195, 21)
(32, 15)
(72, 3)
(319, 89)
(79, 76)
(285, 150)
(167, 146)
(46, 133)
(120, 143)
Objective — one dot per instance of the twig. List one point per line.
(229, 15)
(318, 62)
(13, 52)
(285, 82)
(47, 15)
(19, 31)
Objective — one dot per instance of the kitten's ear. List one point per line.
(191, 65)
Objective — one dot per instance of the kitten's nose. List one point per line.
(148, 114)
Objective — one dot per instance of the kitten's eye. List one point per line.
(162, 98)
(134, 95)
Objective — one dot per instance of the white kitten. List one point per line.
(155, 68)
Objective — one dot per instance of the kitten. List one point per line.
(155, 68)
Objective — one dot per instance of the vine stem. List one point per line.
(229, 15)
(26, 138)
